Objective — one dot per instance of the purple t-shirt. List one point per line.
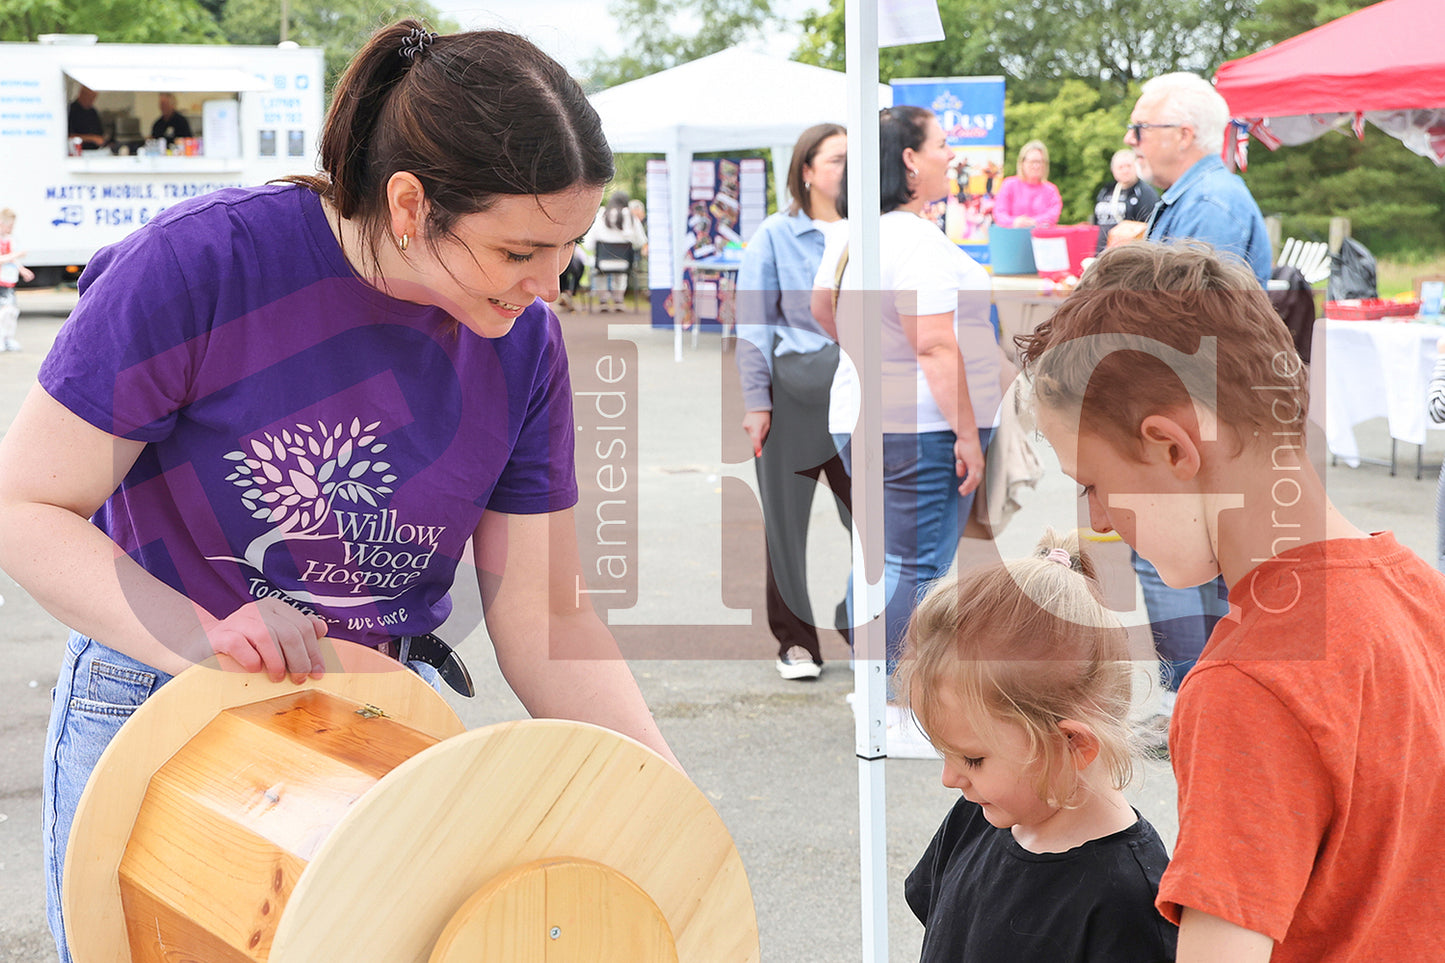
(307, 437)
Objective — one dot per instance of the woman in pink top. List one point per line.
(1029, 200)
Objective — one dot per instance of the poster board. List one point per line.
(970, 111)
(727, 201)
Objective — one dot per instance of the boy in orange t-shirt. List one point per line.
(1309, 741)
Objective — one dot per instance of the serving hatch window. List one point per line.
(136, 110)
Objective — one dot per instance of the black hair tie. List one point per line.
(414, 43)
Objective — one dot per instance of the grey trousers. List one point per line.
(797, 450)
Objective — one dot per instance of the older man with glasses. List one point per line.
(1178, 128)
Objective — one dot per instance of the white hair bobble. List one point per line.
(1062, 556)
(414, 43)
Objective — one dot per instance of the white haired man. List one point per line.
(1178, 127)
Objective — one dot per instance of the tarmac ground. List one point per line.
(775, 758)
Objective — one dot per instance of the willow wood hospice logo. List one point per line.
(328, 484)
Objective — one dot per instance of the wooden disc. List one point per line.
(560, 911)
(95, 922)
(436, 829)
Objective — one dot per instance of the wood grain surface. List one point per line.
(558, 911)
(111, 803)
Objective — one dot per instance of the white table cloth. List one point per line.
(1373, 369)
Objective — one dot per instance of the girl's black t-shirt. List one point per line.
(983, 898)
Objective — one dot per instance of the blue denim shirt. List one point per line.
(775, 287)
(1210, 204)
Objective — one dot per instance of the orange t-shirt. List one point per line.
(1309, 749)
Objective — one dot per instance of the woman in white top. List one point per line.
(940, 365)
(622, 238)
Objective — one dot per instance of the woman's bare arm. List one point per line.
(56, 470)
(553, 650)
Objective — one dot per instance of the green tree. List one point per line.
(113, 21)
(654, 42)
(1395, 199)
(969, 50)
(1277, 20)
(340, 27)
(1108, 44)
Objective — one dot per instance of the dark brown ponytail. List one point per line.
(355, 106)
(473, 116)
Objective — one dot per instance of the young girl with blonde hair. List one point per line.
(1021, 679)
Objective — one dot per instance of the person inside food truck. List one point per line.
(85, 121)
(171, 124)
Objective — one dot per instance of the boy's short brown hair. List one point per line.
(1154, 327)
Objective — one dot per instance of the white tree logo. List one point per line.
(291, 480)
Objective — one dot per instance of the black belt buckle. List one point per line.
(442, 657)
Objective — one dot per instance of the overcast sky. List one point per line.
(572, 30)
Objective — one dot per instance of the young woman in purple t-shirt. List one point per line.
(279, 414)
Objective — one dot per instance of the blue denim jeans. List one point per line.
(96, 693)
(1181, 619)
(98, 690)
(923, 519)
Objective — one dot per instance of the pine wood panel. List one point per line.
(445, 822)
(200, 946)
(504, 922)
(386, 876)
(333, 727)
(188, 870)
(228, 823)
(169, 719)
(558, 911)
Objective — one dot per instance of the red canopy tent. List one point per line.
(1384, 64)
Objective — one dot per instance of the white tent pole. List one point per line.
(679, 190)
(782, 160)
(861, 339)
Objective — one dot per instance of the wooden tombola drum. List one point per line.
(353, 818)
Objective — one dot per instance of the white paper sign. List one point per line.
(908, 21)
(1051, 254)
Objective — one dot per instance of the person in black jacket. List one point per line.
(1126, 198)
(84, 121)
(171, 124)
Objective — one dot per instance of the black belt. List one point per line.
(435, 653)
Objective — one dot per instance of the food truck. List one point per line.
(254, 112)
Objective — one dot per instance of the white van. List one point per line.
(255, 113)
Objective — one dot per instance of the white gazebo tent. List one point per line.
(732, 100)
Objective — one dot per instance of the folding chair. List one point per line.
(1311, 257)
(611, 260)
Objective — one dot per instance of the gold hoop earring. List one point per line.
(403, 241)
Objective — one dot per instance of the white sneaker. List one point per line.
(796, 663)
(903, 738)
(12, 345)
